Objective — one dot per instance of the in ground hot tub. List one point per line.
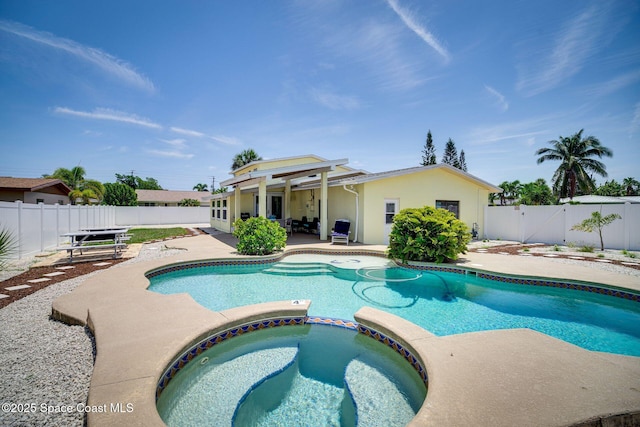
(300, 374)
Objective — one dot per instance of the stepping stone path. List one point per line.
(7, 292)
(17, 288)
(42, 279)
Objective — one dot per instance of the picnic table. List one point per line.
(89, 239)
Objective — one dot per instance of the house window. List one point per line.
(213, 213)
(450, 205)
(389, 212)
(39, 200)
(224, 209)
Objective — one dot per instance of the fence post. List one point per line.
(41, 226)
(522, 230)
(627, 225)
(57, 224)
(485, 221)
(19, 202)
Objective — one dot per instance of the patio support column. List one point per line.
(262, 198)
(287, 199)
(324, 217)
(237, 201)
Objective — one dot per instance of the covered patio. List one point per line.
(269, 192)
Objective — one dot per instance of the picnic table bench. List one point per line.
(90, 239)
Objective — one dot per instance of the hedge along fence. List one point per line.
(552, 224)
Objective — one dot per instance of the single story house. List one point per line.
(34, 190)
(170, 198)
(323, 191)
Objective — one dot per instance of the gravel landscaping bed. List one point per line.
(45, 365)
(610, 260)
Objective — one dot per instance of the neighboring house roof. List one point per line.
(169, 196)
(42, 185)
(400, 172)
(594, 199)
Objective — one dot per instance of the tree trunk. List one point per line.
(601, 241)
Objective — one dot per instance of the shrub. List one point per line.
(8, 245)
(587, 248)
(259, 236)
(427, 234)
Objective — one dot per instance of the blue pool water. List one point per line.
(442, 303)
(311, 375)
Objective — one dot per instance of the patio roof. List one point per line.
(284, 173)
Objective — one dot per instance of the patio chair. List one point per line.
(288, 226)
(340, 232)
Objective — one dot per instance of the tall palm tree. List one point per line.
(576, 156)
(200, 187)
(244, 158)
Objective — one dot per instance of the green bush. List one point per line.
(427, 234)
(259, 236)
(8, 245)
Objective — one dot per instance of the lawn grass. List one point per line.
(141, 235)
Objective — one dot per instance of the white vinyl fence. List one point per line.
(552, 225)
(37, 228)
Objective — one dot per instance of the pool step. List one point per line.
(377, 399)
(298, 268)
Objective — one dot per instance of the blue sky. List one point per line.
(173, 90)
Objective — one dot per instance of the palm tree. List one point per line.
(510, 191)
(201, 187)
(244, 158)
(575, 154)
(536, 193)
(81, 188)
(631, 186)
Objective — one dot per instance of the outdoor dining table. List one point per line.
(102, 238)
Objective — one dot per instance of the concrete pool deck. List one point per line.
(505, 377)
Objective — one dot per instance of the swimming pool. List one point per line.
(443, 303)
(294, 375)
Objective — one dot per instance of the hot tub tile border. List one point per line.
(194, 351)
(399, 348)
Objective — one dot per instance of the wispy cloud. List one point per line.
(635, 121)
(108, 114)
(522, 132)
(374, 46)
(228, 140)
(109, 64)
(409, 19)
(575, 43)
(500, 99)
(613, 85)
(187, 132)
(178, 142)
(173, 154)
(218, 138)
(334, 101)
